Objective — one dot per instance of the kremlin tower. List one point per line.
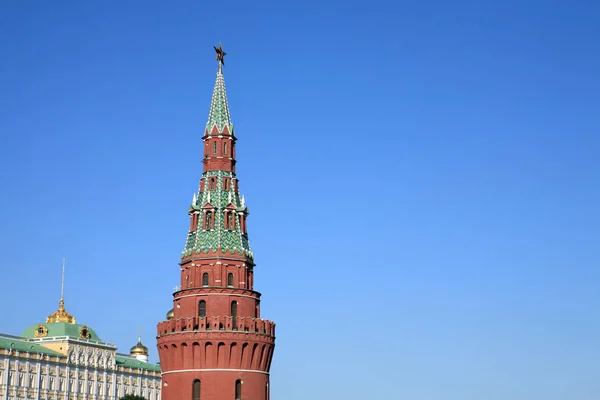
(213, 344)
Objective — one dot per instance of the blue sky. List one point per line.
(422, 178)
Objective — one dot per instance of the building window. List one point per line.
(196, 390)
(205, 279)
(230, 279)
(208, 221)
(229, 220)
(215, 147)
(238, 390)
(194, 222)
(202, 309)
(225, 148)
(234, 315)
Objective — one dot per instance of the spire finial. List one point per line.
(220, 55)
(61, 315)
(62, 283)
(139, 334)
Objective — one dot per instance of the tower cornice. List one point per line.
(215, 291)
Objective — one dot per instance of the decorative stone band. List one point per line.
(216, 324)
(183, 296)
(215, 370)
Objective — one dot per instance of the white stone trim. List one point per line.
(215, 370)
(218, 294)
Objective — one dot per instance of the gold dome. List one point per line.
(170, 315)
(139, 349)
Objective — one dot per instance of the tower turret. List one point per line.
(214, 345)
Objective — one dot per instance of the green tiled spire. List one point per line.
(219, 197)
(232, 241)
(219, 109)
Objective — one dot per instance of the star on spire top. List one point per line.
(220, 55)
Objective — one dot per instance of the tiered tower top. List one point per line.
(218, 212)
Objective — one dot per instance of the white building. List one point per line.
(63, 360)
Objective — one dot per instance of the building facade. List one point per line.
(63, 360)
(214, 345)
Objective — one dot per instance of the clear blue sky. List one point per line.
(423, 181)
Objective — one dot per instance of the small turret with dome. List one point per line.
(139, 351)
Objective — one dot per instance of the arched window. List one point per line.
(225, 148)
(208, 222)
(234, 315)
(205, 279)
(230, 279)
(238, 390)
(215, 147)
(228, 220)
(202, 309)
(196, 390)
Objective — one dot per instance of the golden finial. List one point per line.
(61, 315)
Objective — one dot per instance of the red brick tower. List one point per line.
(214, 345)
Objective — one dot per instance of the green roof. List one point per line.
(234, 240)
(219, 108)
(25, 346)
(61, 329)
(129, 362)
